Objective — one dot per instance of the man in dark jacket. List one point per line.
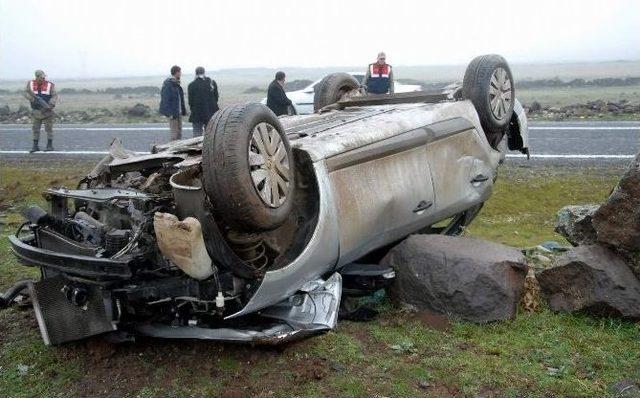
(172, 102)
(203, 100)
(277, 100)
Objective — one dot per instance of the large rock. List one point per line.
(574, 223)
(139, 110)
(466, 278)
(617, 221)
(592, 279)
(535, 107)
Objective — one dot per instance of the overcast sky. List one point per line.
(69, 38)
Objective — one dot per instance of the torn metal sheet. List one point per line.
(141, 162)
(301, 315)
(98, 195)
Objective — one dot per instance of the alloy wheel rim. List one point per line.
(269, 165)
(500, 93)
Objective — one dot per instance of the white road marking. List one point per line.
(575, 128)
(99, 129)
(543, 156)
(584, 128)
(533, 156)
(62, 153)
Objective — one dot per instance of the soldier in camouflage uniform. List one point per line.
(43, 97)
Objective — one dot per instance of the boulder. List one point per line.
(461, 277)
(574, 223)
(593, 279)
(535, 107)
(617, 221)
(139, 110)
(5, 110)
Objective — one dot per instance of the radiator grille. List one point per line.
(61, 321)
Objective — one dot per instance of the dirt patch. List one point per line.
(433, 320)
(312, 369)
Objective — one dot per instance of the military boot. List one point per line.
(35, 147)
(49, 145)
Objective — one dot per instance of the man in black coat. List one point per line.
(203, 100)
(277, 100)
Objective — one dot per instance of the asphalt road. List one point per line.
(547, 140)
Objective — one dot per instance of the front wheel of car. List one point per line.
(248, 168)
(488, 83)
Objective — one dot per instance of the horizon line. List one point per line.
(240, 68)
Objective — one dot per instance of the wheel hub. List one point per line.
(500, 93)
(269, 165)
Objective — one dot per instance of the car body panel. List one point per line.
(523, 126)
(368, 202)
(319, 256)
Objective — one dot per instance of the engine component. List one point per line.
(182, 243)
(36, 215)
(67, 313)
(116, 240)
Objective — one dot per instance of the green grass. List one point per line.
(522, 209)
(549, 96)
(534, 355)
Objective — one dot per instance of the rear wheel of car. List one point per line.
(247, 167)
(332, 88)
(488, 83)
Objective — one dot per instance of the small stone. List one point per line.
(23, 370)
(543, 259)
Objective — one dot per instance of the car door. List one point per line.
(383, 192)
(462, 166)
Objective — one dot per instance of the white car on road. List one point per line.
(303, 99)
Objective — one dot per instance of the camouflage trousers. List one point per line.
(39, 118)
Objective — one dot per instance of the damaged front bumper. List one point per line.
(67, 311)
(312, 310)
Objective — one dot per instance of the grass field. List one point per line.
(396, 355)
(235, 94)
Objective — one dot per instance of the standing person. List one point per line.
(277, 100)
(172, 102)
(203, 100)
(42, 95)
(379, 76)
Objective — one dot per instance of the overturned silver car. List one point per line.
(254, 232)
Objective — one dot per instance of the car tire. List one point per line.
(331, 88)
(248, 168)
(488, 83)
